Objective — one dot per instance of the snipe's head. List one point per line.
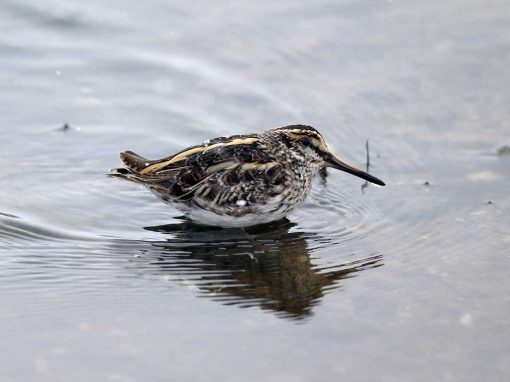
(310, 141)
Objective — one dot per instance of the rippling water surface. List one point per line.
(100, 281)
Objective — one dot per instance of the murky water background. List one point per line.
(100, 281)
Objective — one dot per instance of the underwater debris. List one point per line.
(503, 150)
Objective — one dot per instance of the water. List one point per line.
(100, 281)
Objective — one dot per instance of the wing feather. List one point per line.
(214, 170)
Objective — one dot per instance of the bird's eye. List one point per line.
(306, 141)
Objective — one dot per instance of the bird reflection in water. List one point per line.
(267, 266)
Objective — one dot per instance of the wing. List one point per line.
(223, 171)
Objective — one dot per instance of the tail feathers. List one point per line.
(128, 174)
(133, 172)
(133, 161)
(123, 173)
(134, 164)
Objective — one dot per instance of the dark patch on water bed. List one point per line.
(503, 150)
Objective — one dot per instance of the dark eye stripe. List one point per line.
(289, 142)
(306, 141)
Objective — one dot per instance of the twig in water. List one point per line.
(368, 155)
(365, 185)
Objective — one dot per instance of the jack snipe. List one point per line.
(241, 180)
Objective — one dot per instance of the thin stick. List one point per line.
(368, 155)
(365, 185)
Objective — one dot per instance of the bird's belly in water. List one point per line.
(207, 217)
(240, 213)
(235, 216)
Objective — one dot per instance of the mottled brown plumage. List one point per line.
(239, 180)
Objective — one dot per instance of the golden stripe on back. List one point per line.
(186, 154)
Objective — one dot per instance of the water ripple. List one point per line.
(16, 230)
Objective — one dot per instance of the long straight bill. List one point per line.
(335, 162)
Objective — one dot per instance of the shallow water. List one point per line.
(100, 281)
